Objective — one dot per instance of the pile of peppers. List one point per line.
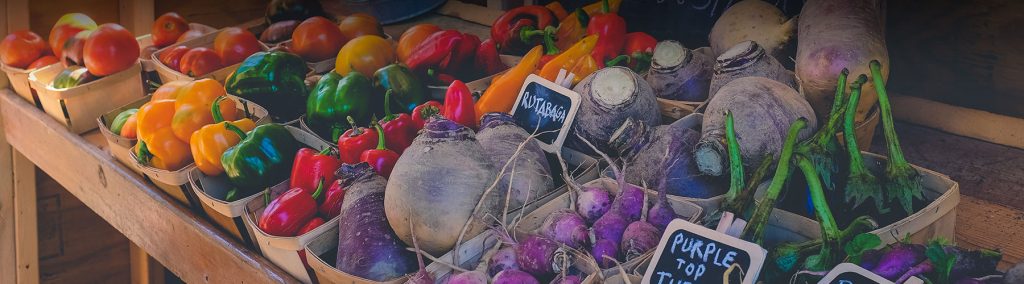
(308, 204)
(447, 55)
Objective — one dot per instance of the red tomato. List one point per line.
(317, 39)
(110, 49)
(189, 35)
(200, 61)
(74, 49)
(21, 48)
(172, 57)
(67, 27)
(42, 62)
(235, 44)
(168, 28)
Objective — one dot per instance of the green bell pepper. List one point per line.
(335, 97)
(407, 92)
(274, 80)
(262, 158)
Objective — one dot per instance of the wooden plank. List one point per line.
(218, 14)
(978, 124)
(469, 12)
(136, 15)
(17, 15)
(980, 224)
(8, 241)
(27, 229)
(145, 269)
(189, 246)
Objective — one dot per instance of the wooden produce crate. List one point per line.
(321, 253)
(176, 183)
(118, 146)
(17, 79)
(167, 74)
(229, 214)
(78, 107)
(937, 219)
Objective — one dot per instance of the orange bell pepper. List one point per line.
(576, 60)
(192, 107)
(364, 54)
(209, 142)
(557, 9)
(501, 95)
(158, 146)
(168, 91)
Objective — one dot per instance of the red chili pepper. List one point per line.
(610, 29)
(458, 105)
(461, 61)
(331, 206)
(398, 128)
(434, 49)
(311, 166)
(639, 48)
(423, 112)
(309, 226)
(381, 159)
(288, 212)
(506, 29)
(354, 141)
(487, 59)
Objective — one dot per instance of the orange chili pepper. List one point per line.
(209, 142)
(501, 95)
(576, 60)
(574, 26)
(192, 107)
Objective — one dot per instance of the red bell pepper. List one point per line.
(460, 62)
(610, 29)
(311, 166)
(638, 51)
(287, 213)
(487, 59)
(434, 49)
(459, 106)
(331, 206)
(506, 28)
(354, 141)
(309, 226)
(381, 159)
(398, 128)
(423, 112)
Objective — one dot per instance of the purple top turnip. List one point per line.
(565, 227)
(747, 59)
(469, 277)
(503, 259)
(535, 255)
(592, 203)
(514, 277)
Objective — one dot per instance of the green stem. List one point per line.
(387, 106)
(754, 232)
(618, 59)
(266, 196)
(142, 154)
(235, 129)
(735, 159)
(583, 17)
(325, 151)
(830, 230)
(605, 6)
(549, 41)
(215, 109)
(380, 136)
(740, 205)
(893, 143)
(856, 162)
(352, 123)
(836, 116)
(319, 189)
(232, 195)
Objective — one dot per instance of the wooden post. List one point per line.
(137, 15)
(145, 269)
(26, 226)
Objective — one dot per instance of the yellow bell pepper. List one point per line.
(571, 29)
(192, 107)
(576, 60)
(501, 95)
(158, 147)
(209, 142)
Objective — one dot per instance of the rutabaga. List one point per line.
(748, 59)
(643, 149)
(500, 138)
(678, 73)
(609, 97)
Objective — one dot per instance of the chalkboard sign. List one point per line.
(849, 273)
(546, 109)
(690, 253)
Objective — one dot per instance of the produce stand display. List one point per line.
(246, 220)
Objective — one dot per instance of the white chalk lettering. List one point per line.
(543, 108)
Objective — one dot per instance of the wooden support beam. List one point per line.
(25, 221)
(137, 15)
(978, 124)
(16, 14)
(145, 269)
(8, 242)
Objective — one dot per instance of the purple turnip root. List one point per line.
(898, 260)
(368, 247)
(469, 277)
(602, 251)
(748, 59)
(514, 277)
(644, 148)
(592, 203)
(500, 137)
(921, 268)
(421, 276)
(439, 182)
(678, 73)
(639, 238)
(566, 227)
(568, 279)
(535, 255)
(609, 97)
(629, 204)
(503, 259)
(661, 212)
(763, 110)
(837, 34)
(754, 20)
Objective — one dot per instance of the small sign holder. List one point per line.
(546, 109)
(849, 273)
(690, 253)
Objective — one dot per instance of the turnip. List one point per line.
(514, 277)
(1015, 274)
(535, 255)
(439, 183)
(644, 149)
(609, 97)
(678, 73)
(639, 238)
(763, 109)
(367, 246)
(592, 203)
(747, 59)
(628, 206)
(503, 259)
(898, 260)
(566, 227)
(837, 34)
(469, 277)
(605, 249)
(500, 137)
(661, 212)
(754, 20)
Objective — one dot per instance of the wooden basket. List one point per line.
(17, 78)
(228, 215)
(78, 107)
(320, 254)
(120, 147)
(167, 74)
(937, 219)
(176, 183)
(477, 86)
